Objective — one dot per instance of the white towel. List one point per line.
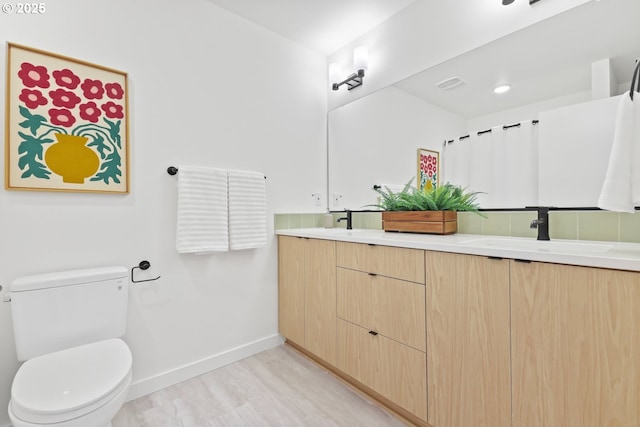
(621, 187)
(247, 210)
(202, 225)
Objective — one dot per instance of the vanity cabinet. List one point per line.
(457, 340)
(307, 294)
(291, 279)
(575, 346)
(381, 322)
(468, 334)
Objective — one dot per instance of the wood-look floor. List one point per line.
(278, 387)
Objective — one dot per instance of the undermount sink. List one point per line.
(342, 230)
(539, 245)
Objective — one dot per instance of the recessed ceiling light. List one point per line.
(502, 88)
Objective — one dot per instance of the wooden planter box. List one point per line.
(431, 222)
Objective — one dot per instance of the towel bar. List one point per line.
(172, 170)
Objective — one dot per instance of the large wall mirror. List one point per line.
(567, 74)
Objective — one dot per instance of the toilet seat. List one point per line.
(70, 383)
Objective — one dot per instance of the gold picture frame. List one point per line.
(428, 169)
(66, 124)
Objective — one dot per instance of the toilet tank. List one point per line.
(55, 311)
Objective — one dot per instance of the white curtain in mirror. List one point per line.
(502, 164)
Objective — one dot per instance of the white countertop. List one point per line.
(616, 255)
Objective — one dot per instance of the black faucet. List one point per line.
(347, 218)
(542, 222)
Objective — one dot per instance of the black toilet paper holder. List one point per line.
(143, 265)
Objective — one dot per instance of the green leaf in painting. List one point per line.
(99, 144)
(114, 131)
(33, 122)
(110, 169)
(31, 150)
(24, 112)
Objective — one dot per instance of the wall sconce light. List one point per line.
(360, 64)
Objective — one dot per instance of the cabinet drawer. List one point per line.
(400, 263)
(394, 370)
(391, 307)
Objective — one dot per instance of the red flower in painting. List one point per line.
(61, 117)
(90, 112)
(32, 98)
(112, 110)
(64, 98)
(429, 167)
(66, 78)
(33, 75)
(114, 90)
(92, 89)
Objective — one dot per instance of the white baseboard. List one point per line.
(168, 378)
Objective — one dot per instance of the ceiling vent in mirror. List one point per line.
(450, 83)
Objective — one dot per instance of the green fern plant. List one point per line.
(447, 197)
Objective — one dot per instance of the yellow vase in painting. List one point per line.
(71, 159)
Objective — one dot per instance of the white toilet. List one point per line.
(77, 371)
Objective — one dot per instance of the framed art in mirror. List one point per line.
(66, 124)
(428, 169)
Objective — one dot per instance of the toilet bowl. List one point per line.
(82, 386)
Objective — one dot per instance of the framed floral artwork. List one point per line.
(428, 169)
(67, 124)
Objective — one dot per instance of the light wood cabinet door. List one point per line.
(391, 307)
(291, 286)
(400, 263)
(468, 336)
(320, 299)
(394, 370)
(575, 346)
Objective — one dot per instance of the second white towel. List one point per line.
(247, 210)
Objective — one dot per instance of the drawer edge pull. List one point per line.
(526, 261)
(496, 258)
(374, 333)
(372, 274)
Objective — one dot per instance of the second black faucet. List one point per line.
(542, 222)
(348, 218)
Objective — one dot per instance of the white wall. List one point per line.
(428, 32)
(207, 88)
(374, 140)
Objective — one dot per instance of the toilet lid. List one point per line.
(69, 380)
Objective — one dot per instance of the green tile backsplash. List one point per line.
(572, 225)
(598, 225)
(630, 227)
